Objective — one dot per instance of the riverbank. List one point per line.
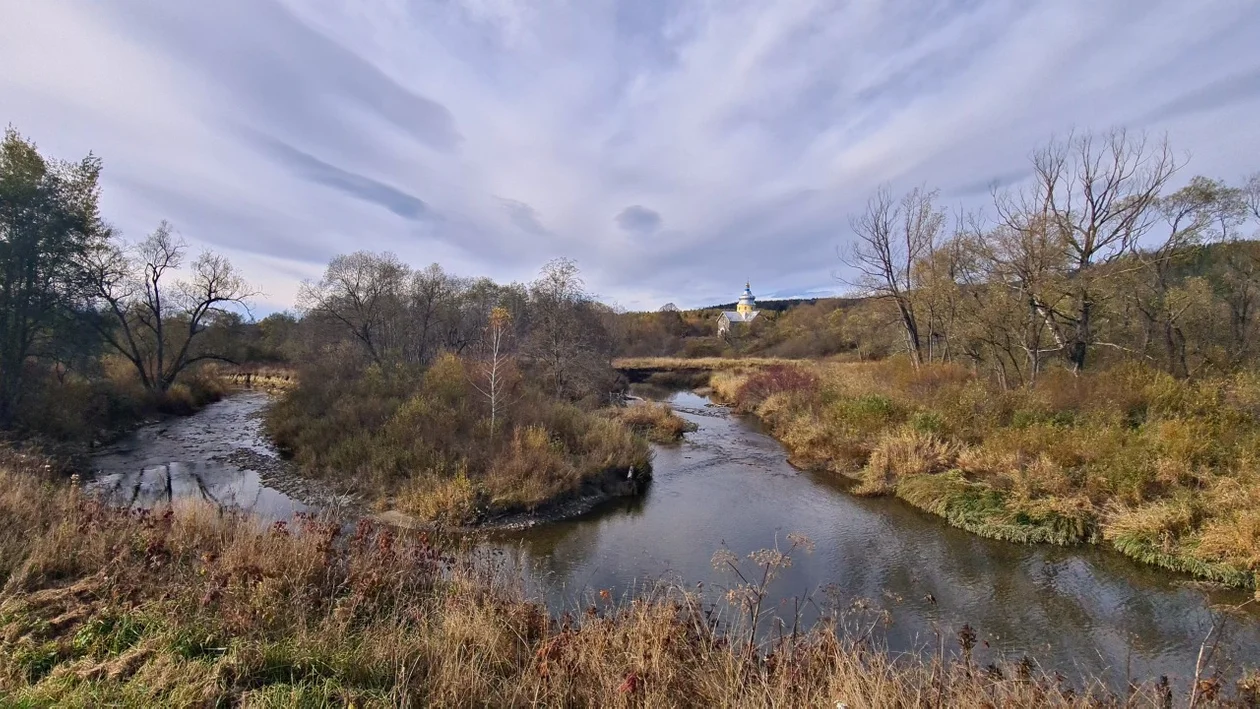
(1162, 470)
(425, 444)
(106, 606)
(67, 422)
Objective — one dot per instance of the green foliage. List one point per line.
(36, 660)
(107, 634)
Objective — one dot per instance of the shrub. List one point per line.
(774, 380)
(904, 454)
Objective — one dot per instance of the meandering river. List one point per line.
(1077, 610)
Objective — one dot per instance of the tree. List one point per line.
(48, 223)
(1251, 195)
(154, 324)
(361, 291)
(1094, 196)
(891, 238)
(1162, 295)
(567, 337)
(496, 374)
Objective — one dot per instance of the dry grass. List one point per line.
(274, 378)
(655, 420)
(420, 441)
(105, 607)
(1163, 470)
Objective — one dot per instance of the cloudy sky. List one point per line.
(674, 149)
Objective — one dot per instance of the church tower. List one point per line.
(746, 301)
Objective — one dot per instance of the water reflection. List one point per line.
(730, 486)
(192, 458)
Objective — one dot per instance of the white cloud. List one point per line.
(524, 128)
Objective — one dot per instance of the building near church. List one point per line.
(745, 312)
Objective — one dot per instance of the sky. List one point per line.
(675, 150)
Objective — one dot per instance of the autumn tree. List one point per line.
(892, 236)
(495, 374)
(153, 320)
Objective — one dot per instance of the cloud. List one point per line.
(523, 216)
(359, 186)
(493, 135)
(639, 219)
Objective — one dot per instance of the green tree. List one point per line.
(49, 221)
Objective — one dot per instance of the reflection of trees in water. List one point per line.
(162, 485)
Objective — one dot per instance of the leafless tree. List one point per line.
(156, 324)
(567, 338)
(1251, 195)
(359, 290)
(891, 238)
(1096, 195)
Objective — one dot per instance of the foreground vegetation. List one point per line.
(1164, 470)
(188, 607)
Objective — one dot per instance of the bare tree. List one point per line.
(1097, 194)
(359, 290)
(156, 324)
(891, 238)
(568, 340)
(1251, 195)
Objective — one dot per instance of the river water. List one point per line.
(1081, 611)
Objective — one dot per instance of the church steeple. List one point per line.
(746, 302)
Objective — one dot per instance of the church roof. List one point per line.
(734, 316)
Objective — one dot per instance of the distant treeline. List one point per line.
(1094, 260)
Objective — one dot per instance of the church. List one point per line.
(743, 313)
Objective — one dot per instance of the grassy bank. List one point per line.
(1166, 471)
(105, 607)
(422, 442)
(654, 420)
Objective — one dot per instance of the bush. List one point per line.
(774, 380)
(420, 440)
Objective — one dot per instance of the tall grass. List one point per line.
(189, 607)
(655, 420)
(420, 441)
(1166, 471)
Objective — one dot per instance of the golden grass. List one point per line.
(264, 377)
(190, 607)
(655, 420)
(1163, 470)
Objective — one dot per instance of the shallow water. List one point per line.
(1080, 611)
(188, 458)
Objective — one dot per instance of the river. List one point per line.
(1081, 611)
